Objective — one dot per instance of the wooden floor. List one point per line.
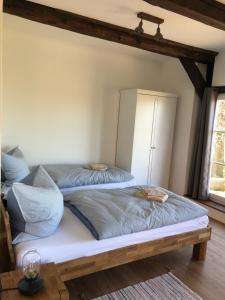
(206, 278)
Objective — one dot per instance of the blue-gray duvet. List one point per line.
(110, 213)
(67, 176)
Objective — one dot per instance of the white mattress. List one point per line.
(73, 240)
(106, 186)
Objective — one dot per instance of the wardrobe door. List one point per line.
(142, 137)
(162, 141)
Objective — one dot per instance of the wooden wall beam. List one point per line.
(220, 89)
(209, 12)
(84, 25)
(195, 75)
(209, 73)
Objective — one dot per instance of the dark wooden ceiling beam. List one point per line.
(84, 25)
(209, 12)
(195, 75)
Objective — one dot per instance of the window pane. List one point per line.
(217, 178)
(217, 171)
(218, 147)
(220, 115)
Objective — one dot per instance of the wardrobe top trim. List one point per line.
(149, 92)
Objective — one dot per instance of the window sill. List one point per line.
(212, 204)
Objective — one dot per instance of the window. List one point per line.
(217, 166)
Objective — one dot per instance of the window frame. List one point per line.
(216, 198)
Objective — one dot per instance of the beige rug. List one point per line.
(165, 287)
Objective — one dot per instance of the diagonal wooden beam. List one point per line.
(209, 12)
(84, 25)
(194, 75)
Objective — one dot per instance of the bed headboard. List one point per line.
(7, 234)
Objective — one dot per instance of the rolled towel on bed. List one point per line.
(98, 167)
(152, 194)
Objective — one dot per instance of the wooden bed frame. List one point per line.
(87, 265)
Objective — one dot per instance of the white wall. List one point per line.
(61, 91)
(176, 80)
(219, 70)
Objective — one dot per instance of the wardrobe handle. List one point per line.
(153, 147)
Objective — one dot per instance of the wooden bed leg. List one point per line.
(199, 251)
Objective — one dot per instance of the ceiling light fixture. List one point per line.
(158, 35)
(139, 29)
(150, 18)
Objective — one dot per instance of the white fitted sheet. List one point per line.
(73, 240)
(106, 186)
(65, 191)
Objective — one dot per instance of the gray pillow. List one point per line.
(14, 168)
(14, 152)
(35, 210)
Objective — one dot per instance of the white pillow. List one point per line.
(35, 210)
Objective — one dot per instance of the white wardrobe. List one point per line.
(145, 135)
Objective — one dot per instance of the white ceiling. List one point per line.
(123, 13)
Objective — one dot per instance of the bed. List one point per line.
(105, 186)
(75, 177)
(79, 253)
(67, 190)
(74, 245)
